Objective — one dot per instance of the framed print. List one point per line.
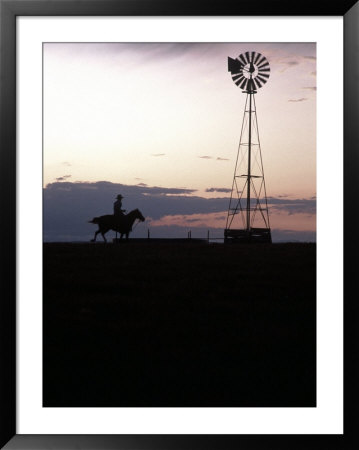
(200, 149)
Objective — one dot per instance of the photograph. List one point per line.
(179, 224)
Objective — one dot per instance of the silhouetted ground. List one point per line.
(179, 325)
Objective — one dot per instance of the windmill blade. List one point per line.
(265, 64)
(257, 58)
(242, 59)
(261, 61)
(263, 69)
(239, 81)
(263, 75)
(237, 77)
(244, 83)
(249, 71)
(263, 80)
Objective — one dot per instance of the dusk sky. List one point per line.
(160, 122)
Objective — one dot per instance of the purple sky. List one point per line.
(169, 115)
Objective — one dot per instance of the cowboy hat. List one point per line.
(119, 196)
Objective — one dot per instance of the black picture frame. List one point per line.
(9, 10)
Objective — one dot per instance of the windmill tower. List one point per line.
(248, 217)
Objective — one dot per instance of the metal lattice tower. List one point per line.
(248, 216)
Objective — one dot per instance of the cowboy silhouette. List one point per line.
(117, 207)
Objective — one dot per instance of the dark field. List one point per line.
(154, 324)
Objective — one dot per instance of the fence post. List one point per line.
(208, 235)
(148, 233)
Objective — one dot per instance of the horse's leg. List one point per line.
(96, 233)
(103, 234)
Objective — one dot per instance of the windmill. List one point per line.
(248, 217)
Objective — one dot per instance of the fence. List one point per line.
(189, 237)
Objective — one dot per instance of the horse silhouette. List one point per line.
(122, 224)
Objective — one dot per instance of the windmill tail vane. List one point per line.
(248, 216)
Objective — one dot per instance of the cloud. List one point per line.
(142, 184)
(290, 63)
(168, 51)
(133, 52)
(63, 178)
(293, 206)
(66, 163)
(213, 189)
(213, 220)
(310, 88)
(297, 100)
(68, 206)
(222, 159)
(205, 157)
(108, 188)
(287, 64)
(158, 154)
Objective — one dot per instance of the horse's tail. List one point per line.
(94, 220)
